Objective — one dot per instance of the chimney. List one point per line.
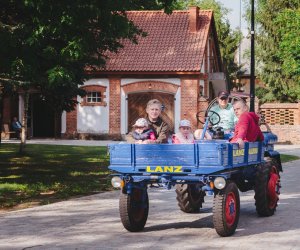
(193, 18)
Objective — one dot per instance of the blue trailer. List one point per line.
(216, 166)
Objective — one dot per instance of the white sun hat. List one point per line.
(184, 123)
(141, 122)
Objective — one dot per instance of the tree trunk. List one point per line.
(24, 123)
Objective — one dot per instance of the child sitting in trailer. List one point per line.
(185, 135)
(141, 132)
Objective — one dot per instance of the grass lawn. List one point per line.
(48, 173)
(286, 158)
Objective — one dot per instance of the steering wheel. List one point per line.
(212, 116)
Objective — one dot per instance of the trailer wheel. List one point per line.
(226, 210)
(190, 197)
(267, 188)
(134, 208)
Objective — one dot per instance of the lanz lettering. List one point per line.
(161, 169)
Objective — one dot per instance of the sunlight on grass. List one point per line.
(12, 187)
(76, 173)
(10, 177)
(92, 159)
(7, 151)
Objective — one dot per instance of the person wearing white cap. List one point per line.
(184, 136)
(141, 132)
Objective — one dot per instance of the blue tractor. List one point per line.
(217, 167)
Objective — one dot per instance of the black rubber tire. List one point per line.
(226, 210)
(134, 209)
(267, 186)
(190, 197)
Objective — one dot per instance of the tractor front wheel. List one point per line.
(226, 210)
(134, 208)
(267, 188)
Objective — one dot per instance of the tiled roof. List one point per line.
(169, 45)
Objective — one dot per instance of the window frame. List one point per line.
(94, 89)
(94, 97)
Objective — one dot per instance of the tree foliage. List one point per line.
(278, 32)
(229, 39)
(47, 44)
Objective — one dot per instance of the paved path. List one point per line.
(288, 149)
(93, 222)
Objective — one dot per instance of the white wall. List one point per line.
(63, 122)
(94, 119)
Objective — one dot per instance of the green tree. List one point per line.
(278, 48)
(288, 22)
(229, 39)
(47, 44)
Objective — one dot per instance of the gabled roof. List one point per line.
(170, 46)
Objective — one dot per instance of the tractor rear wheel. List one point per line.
(267, 188)
(226, 210)
(134, 208)
(190, 197)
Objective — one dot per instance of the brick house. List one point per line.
(178, 62)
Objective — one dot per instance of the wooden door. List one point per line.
(137, 103)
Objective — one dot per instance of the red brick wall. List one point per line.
(150, 86)
(202, 106)
(286, 133)
(281, 113)
(189, 100)
(284, 120)
(71, 123)
(114, 105)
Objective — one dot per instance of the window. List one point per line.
(93, 97)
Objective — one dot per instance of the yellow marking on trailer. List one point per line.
(178, 169)
(162, 169)
(253, 151)
(241, 152)
(238, 152)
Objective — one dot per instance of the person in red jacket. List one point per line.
(247, 128)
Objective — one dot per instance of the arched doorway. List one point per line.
(137, 107)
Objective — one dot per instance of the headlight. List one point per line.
(220, 183)
(117, 182)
